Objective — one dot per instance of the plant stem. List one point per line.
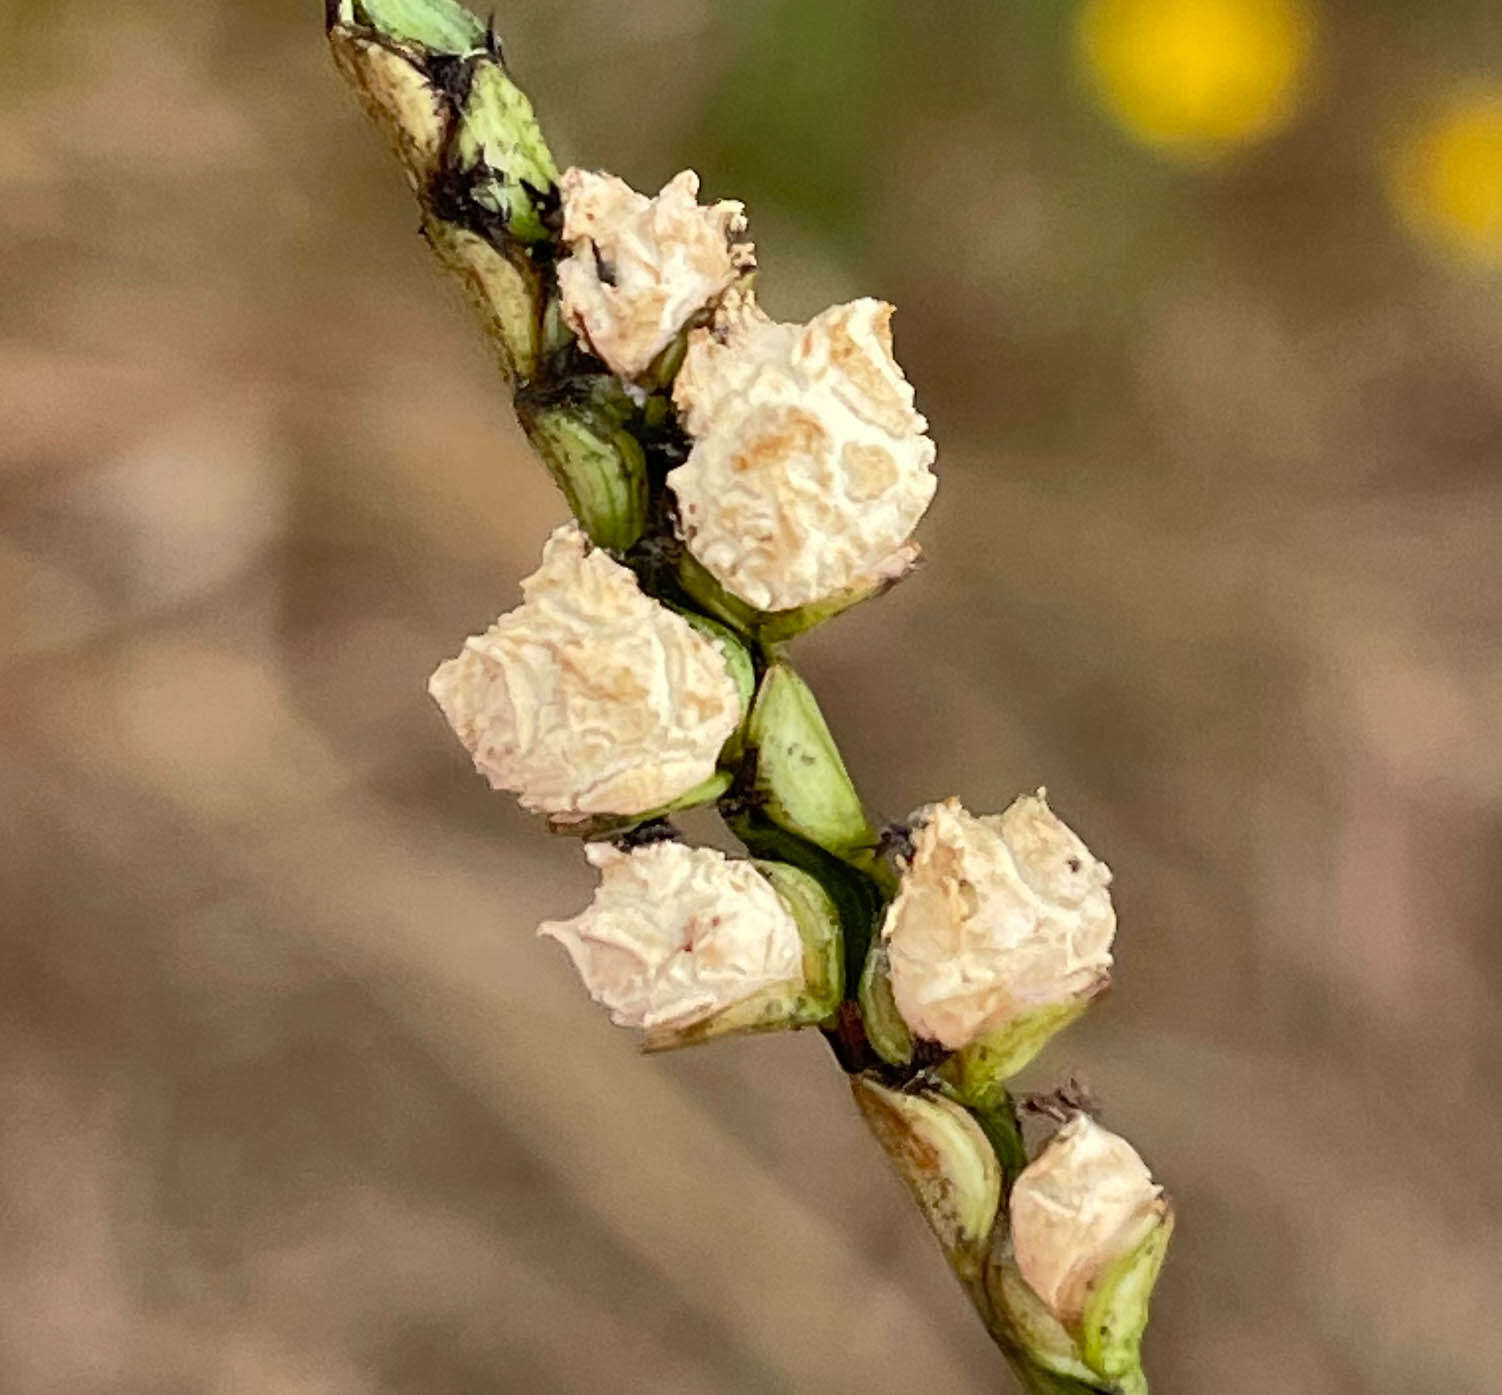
(433, 76)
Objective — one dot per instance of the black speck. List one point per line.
(493, 45)
(646, 834)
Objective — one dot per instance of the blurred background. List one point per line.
(1203, 299)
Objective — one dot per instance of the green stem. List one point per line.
(999, 1122)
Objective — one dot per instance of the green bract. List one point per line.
(945, 1159)
(597, 464)
(499, 150)
(1116, 1312)
(472, 148)
(1034, 1333)
(800, 781)
(503, 290)
(1103, 1351)
(885, 1029)
(980, 1071)
(398, 96)
(441, 25)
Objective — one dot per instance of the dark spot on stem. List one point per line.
(927, 1055)
(847, 1039)
(451, 75)
(644, 835)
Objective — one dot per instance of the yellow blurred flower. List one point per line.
(1197, 78)
(1446, 178)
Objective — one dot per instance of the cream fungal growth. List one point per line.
(997, 918)
(590, 697)
(640, 269)
(810, 467)
(675, 934)
(1085, 1203)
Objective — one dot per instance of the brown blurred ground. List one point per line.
(291, 1101)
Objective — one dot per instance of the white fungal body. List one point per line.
(675, 934)
(590, 697)
(810, 467)
(996, 918)
(1083, 1204)
(640, 269)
